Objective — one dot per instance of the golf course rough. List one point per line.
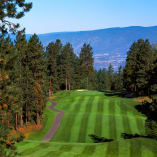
(91, 112)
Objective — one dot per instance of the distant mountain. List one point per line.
(109, 45)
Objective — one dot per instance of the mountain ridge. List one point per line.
(110, 45)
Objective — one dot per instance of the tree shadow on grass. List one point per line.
(97, 139)
(120, 93)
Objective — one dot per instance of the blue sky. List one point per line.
(74, 15)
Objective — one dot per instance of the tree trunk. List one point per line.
(66, 84)
(50, 88)
(21, 121)
(87, 83)
(26, 114)
(8, 123)
(16, 121)
(38, 119)
(69, 86)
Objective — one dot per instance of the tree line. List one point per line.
(29, 73)
(140, 77)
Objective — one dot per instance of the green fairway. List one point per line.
(91, 112)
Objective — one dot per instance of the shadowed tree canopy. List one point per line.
(12, 9)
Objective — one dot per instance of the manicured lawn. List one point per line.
(91, 112)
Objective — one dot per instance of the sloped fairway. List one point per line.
(91, 112)
(122, 148)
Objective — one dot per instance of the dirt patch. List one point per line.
(142, 99)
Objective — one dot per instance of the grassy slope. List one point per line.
(93, 113)
(49, 116)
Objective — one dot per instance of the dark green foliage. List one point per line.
(87, 61)
(138, 69)
(14, 9)
(7, 148)
(11, 101)
(23, 80)
(53, 50)
(107, 79)
(119, 79)
(150, 110)
(64, 68)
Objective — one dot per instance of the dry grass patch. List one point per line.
(52, 97)
(27, 130)
(142, 99)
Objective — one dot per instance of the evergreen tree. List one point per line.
(37, 67)
(153, 74)
(12, 9)
(138, 67)
(87, 61)
(52, 67)
(110, 77)
(101, 80)
(119, 79)
(77, 75)
(67, 58)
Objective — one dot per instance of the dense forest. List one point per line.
(30, 73)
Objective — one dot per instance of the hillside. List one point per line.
(109, 45)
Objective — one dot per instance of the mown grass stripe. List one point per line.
(68, 104)
(64, 132)
(112, 120)
(83, 128)
(100, 105)
(84, 121)
(105, 121)
(91, 120)
(58, 152)
(35, 149)
(149, 145)
(88, 150)
(140, 125)
(62, 149)
(118, 119)
(126, 122)
(89, 104)
(98, 125)
(78, 104)
(124, 148)
(99, 117)
(135, 148)
(112, 149)
(76, 129)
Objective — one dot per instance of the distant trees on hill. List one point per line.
(108, 79)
